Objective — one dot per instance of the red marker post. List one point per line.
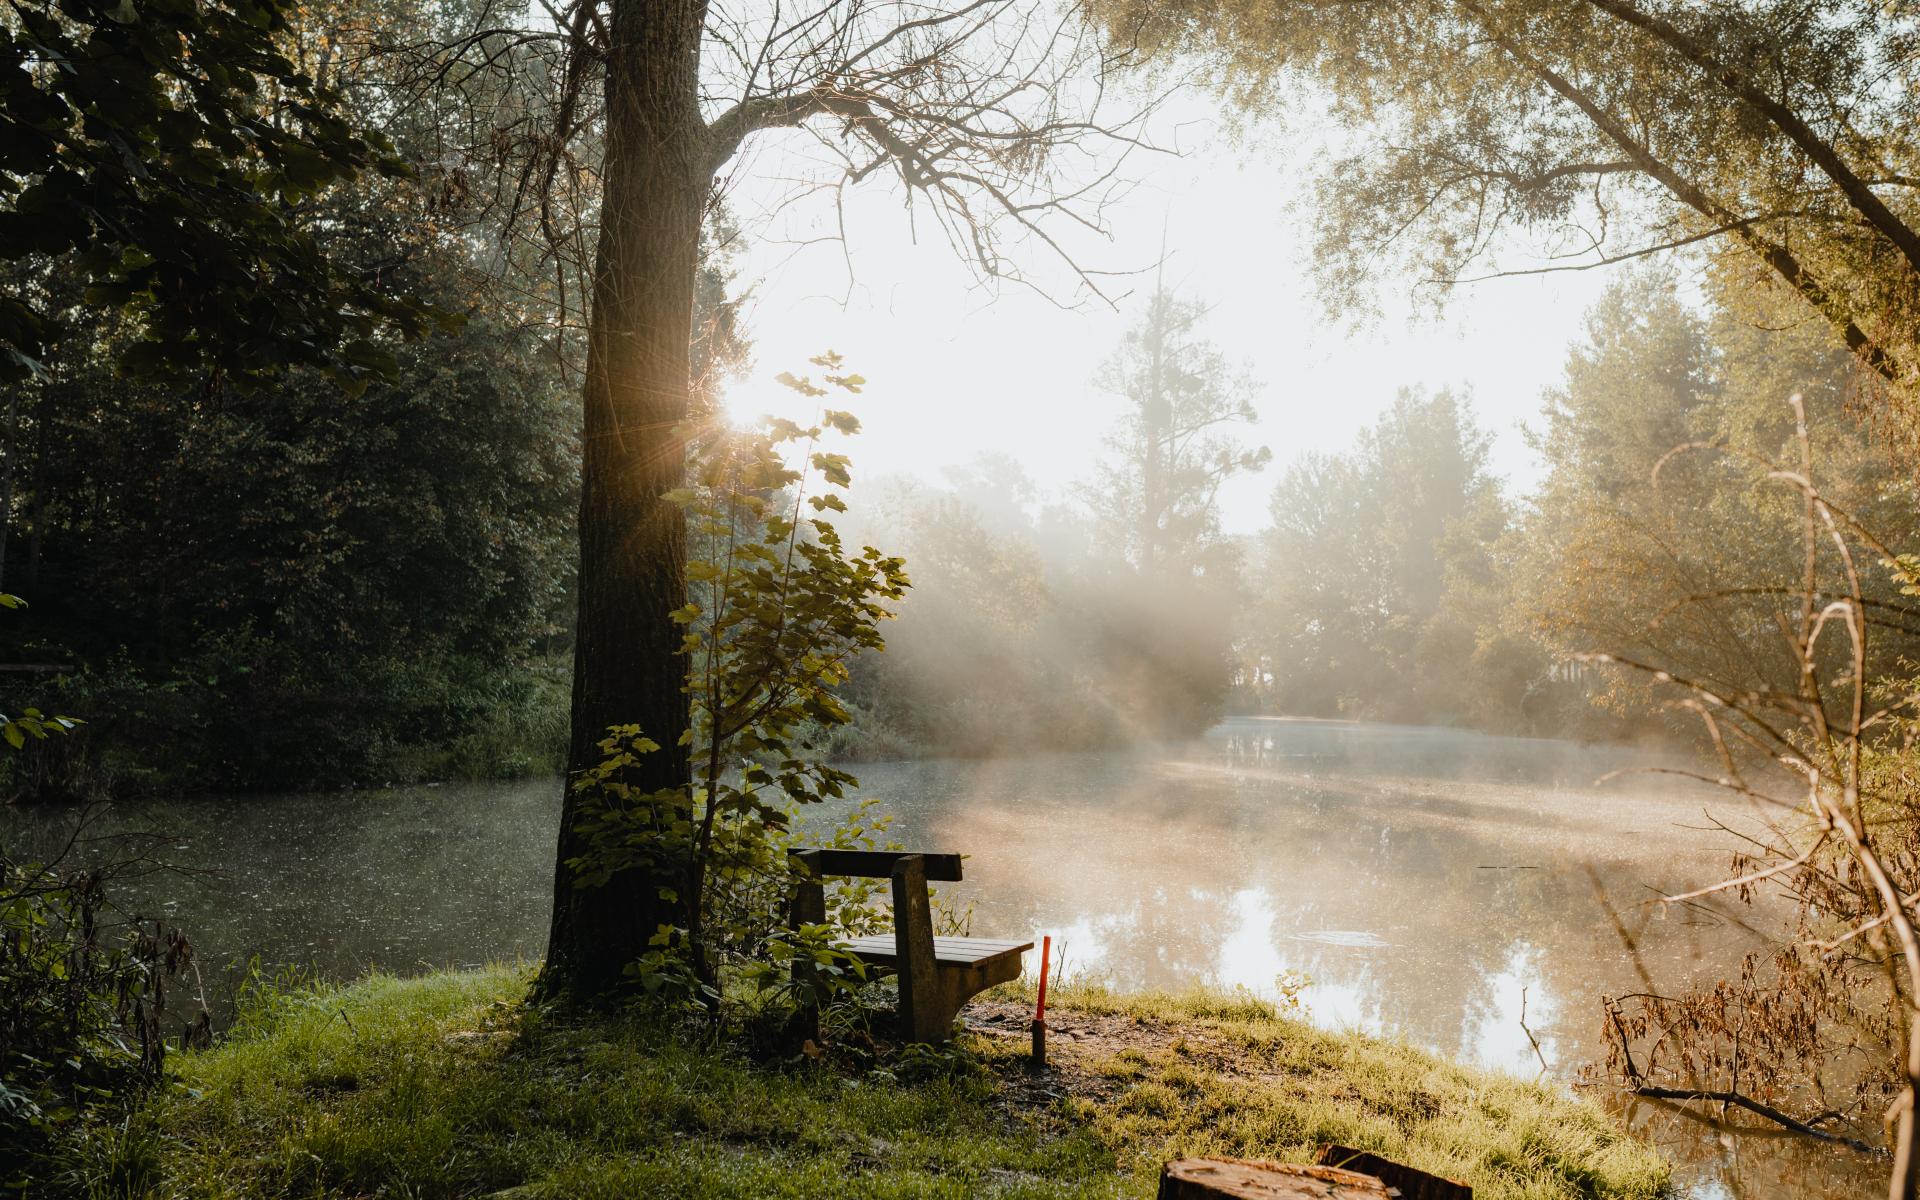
(1039, 1060)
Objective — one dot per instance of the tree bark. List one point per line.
(628, 668)
(7, 461)
(42, 418)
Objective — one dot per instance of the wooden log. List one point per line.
(1244, 1179)
(1411, 1184)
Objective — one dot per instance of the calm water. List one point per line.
(1432, 884)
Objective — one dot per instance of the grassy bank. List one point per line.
(448, 1086)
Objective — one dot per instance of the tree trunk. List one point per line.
(6, 474)
(628, 668)
(42, 420)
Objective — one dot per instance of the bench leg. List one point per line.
(809, 908)
(930, 1020)
(924, 1015)
(949, 996)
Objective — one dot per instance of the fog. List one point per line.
(1402, 513)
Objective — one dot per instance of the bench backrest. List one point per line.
(924, 1015)
(876, 864)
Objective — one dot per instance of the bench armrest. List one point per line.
(875, 864)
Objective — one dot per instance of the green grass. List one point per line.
(1235, 1079)
(447, 1086)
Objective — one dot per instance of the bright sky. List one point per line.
(957, 370)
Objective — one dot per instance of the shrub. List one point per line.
(83, 1003)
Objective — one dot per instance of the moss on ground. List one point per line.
(448, 1086)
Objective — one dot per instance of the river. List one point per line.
(1431, 884)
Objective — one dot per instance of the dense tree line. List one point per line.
(1712, 540)
(380, 576)
(1379, 574)
(302, 569)
(287, 587)
(1399, 582)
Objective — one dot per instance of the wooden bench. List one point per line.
(937, 974)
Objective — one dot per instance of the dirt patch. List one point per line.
(1080, 1044)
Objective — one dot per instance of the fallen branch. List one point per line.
(1523, 1029)
(1754, 1106)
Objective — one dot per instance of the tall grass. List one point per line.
(451, 1085)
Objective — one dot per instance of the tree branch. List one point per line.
(1857, 191)
(732, 127)
(1754, 1106)
(1776, 256)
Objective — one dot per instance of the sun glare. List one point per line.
(746, 402)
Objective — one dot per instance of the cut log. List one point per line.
(1411, 1184)
(1243, 1179)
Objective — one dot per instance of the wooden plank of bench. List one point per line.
(880, 949)
(943, 952)
(878, 864)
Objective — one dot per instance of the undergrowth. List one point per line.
(450, 1085)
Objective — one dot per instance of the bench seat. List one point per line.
(986, 953)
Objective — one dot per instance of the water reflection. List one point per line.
(1434, 885)
(1425, 881)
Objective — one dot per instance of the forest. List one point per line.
(421, 551)
(379, 622)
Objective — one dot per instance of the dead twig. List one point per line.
(1764, 1110)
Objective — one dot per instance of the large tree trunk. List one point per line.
(627, 663)
(7, 462)
(42, 417)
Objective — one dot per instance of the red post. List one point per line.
(1039, 1059)
(1046, 952)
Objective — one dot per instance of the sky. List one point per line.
(957, 369)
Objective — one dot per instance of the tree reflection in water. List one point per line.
(1430, 882)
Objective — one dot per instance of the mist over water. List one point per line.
(1420, 878)
(1428, 882)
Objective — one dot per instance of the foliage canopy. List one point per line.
(168, 154)
(1594, 130)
